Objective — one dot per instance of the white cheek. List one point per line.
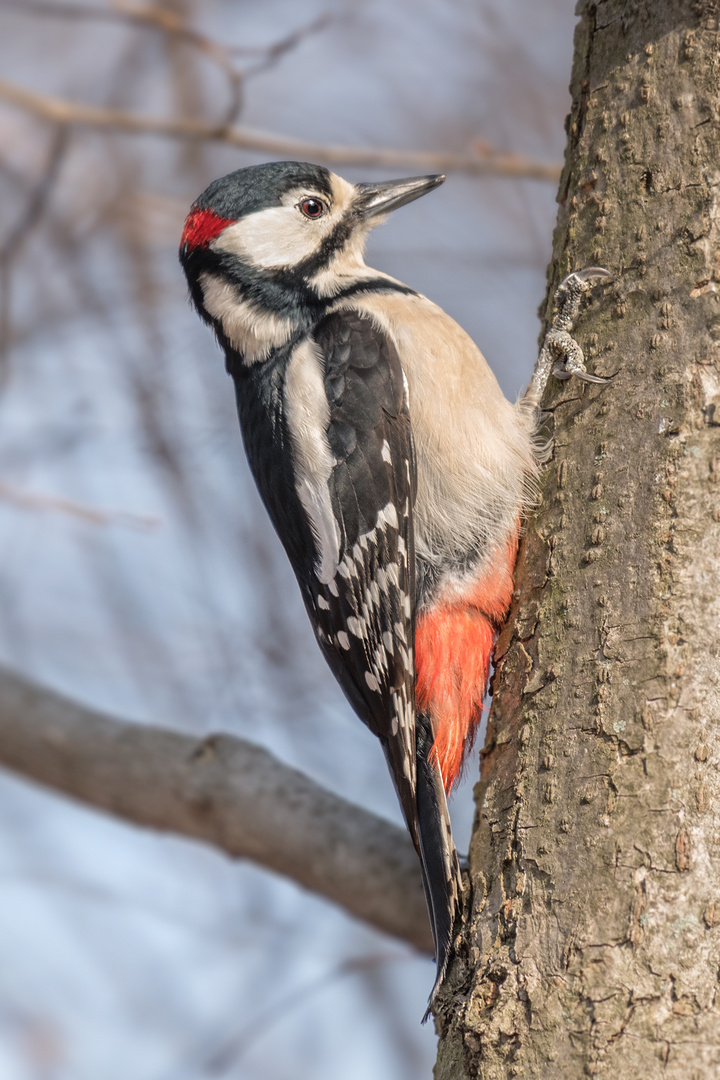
(280, 236)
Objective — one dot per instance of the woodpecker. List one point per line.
(393, 468)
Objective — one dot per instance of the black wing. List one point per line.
(373, 592)
(365, 614)
(326, 425)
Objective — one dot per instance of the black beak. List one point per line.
(376, 199)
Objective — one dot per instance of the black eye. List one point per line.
(312, 208)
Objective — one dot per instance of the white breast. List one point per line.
(476, 458)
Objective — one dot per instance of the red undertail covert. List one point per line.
(454, 641)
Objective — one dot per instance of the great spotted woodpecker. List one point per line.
(392, 466)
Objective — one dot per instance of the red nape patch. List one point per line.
(202, 226)
(453, 647)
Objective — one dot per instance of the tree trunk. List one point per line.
(592, 943)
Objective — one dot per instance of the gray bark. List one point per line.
(592, 943)
(223, 791)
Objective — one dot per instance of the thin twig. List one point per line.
(58, 111)
(29, 500)
(162, 19)
(13, 243)
(270, 54)
(174, 24)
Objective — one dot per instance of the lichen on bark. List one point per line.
(592, 939)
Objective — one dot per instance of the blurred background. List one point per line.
(138, 571)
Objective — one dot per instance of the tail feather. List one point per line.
(438, 858)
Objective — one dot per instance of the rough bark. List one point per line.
(223, 791)
(593, 941)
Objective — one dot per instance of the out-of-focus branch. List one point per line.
(176, 25)
(223, 791)
(30, 500)
(12, 244)
(63, 112)
(162, 19)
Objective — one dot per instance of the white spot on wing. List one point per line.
(386, 456)
(392, 573)
(404, 713)
(380, 666)
(322, 603)
(371, 681)
(343, 640)
(388, 515)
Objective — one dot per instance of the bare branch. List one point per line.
(175, 24)
(223, 791)
(62, 112)
(270, 54)
(162, 19)
(30, 500)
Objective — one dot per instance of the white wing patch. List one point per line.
(308, 413)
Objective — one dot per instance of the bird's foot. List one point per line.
(561, 355)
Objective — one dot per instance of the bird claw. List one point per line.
(584, 376)
(559, 343)
(586, 276)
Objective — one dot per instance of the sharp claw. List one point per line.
(588, 274)
(596, 272)
(585, 376)
(559, 341)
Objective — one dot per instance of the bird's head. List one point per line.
(283, 234)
